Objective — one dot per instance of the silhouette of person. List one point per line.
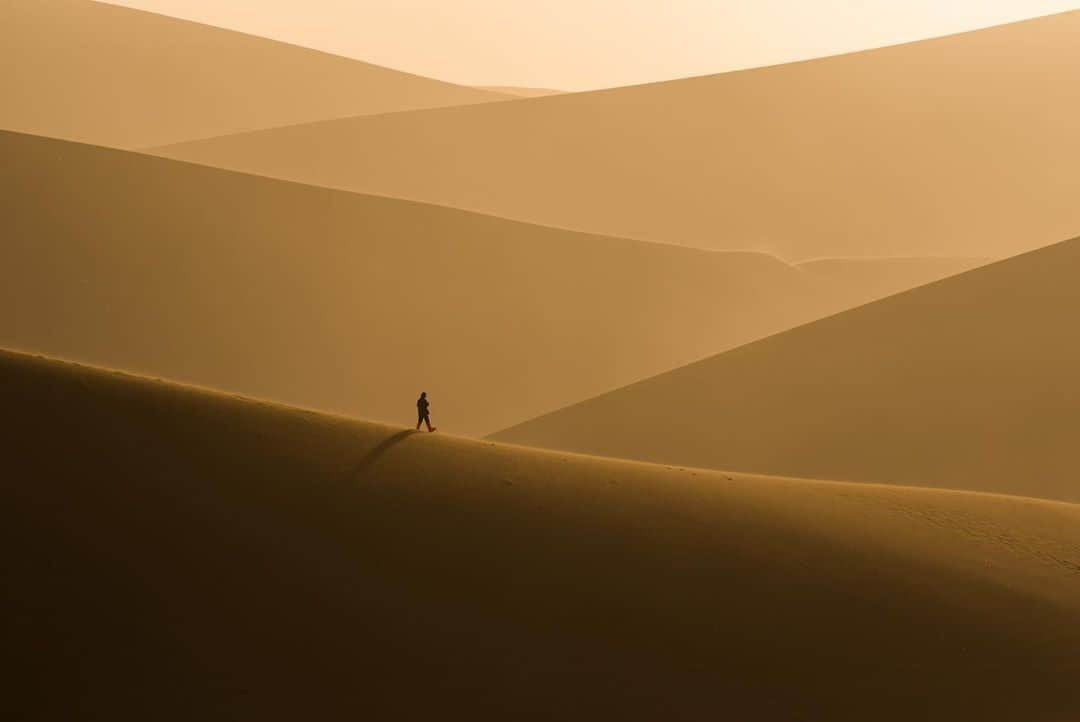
(422, 413)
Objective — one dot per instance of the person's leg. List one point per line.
(427, 420)
(419, 420)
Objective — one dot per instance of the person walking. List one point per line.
(422, 416)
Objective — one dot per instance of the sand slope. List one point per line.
(967, 383)
(874, 278)
(521, 91)
(960, 146)
(177, 555)
(115, 76)
(356, 303)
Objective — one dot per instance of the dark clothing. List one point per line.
(422, 413)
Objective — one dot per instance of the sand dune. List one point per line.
(874, 278)
(171, 554)
(967, 383)
(959, 146)
(520, 91)
(104, 74)
(356, 303)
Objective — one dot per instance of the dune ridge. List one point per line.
(959, 146)
(968, 383)
(876, 278)
(111, 75)
(226, 557)
(357, 303)
(521, 91)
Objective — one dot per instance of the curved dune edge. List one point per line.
(127, 78)
(522, 91)
(960, 146)
(304, 295)
(968, 382)
(175, 552)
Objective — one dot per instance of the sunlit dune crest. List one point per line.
(521, 91)
(960, 146)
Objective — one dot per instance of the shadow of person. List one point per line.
(379, 449)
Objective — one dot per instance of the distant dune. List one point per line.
(968, 383)
(172, 554)
(104, 74)
(874, 278)
(357, 303)
(959, 146)
(520, 91)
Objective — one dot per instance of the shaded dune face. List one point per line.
(966, 383)
(959, 146)
(176, 554)
(104, 74)
(356, 303)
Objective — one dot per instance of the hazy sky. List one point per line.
(581, 44)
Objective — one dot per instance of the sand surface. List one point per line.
(173, 554)
(876, 278)
(115, 76)
(961, 146)
(521, 91)
(967, 383)
(355, 303)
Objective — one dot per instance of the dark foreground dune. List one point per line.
(968, 383)
(174, 554)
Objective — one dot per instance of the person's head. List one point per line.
(423, 394)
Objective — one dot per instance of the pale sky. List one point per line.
(585, 44)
